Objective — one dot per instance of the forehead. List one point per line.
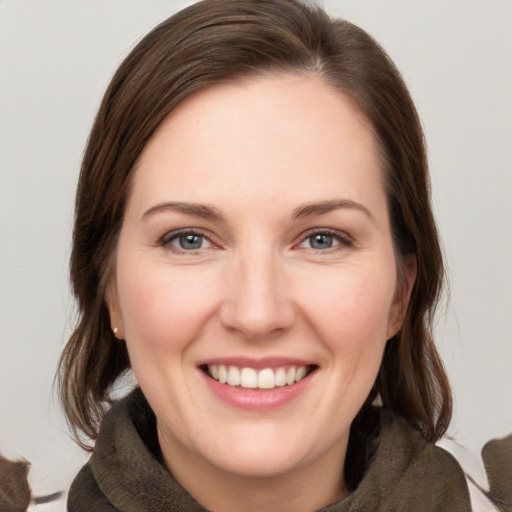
(272, 137)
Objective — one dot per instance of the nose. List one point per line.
(257, 302)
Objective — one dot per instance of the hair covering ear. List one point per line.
(405, 283)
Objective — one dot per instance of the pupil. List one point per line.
(190, 242)
(321, 241)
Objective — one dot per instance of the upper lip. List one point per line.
(257, 363)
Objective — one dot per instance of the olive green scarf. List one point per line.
(405, 473)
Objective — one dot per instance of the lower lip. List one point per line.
(257, 399)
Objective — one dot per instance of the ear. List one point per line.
(405, 283)
(114, 310)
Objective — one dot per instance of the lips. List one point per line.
(257, 385)
(249, 377)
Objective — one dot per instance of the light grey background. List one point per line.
(56, 58)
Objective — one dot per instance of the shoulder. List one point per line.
(417, 458)
(408, 473)
(497, 457)
(85, 494)
(489, 478)
(476, 479)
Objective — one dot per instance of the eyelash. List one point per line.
(344, 241)
(166, 240)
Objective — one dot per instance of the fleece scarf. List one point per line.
(405, 473)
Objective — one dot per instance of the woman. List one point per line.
(254, 240)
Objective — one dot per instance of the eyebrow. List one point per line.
(322, 207)
(202, 211)
(211, 213)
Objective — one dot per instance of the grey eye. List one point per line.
(188, 242)
(321, 241)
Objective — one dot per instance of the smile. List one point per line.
(264, 378)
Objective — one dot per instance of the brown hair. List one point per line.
(218, 41)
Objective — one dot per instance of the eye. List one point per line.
(322, 241)
(325, 240)
(186, 241)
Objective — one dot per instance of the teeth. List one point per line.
(223, 374)
(233, 376)
(301, 373)
(249, 378)
(281, 377)
(266, 378)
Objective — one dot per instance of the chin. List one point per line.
(261, 451)
(260, 465)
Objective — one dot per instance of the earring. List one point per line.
(115, 331)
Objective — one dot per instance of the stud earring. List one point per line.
(115, 331)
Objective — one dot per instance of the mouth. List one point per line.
(262, 378)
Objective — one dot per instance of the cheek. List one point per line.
(162, 311)
(350, 312)
(351, 307)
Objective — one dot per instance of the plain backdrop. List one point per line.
(56, 59)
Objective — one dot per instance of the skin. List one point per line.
(255, 153)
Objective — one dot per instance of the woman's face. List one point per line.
(256, 248)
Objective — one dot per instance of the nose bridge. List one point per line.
(257, 303)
